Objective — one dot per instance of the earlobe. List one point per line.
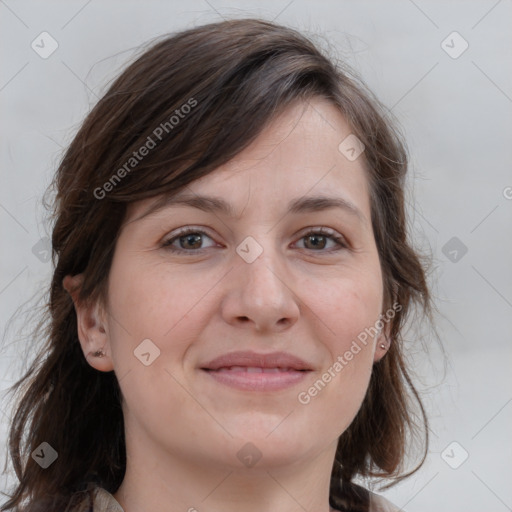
(91, 326)
(383, 344)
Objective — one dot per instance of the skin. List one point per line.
(183, 429)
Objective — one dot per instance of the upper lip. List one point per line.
(255, 360)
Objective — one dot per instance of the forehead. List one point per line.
(297, 155)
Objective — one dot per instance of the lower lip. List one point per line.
(258, 381)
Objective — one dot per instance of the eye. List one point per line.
(318, 238)
(190, 240)
(187, 240)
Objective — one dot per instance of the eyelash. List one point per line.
(339, 240)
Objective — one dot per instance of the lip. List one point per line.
(251, 371)
(253, 359)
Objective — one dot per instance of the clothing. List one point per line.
(99, 500)
(380, 504)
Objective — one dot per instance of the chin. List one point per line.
(264, 455)
(272, 447)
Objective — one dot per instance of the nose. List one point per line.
(261, 296)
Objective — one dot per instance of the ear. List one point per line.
(383, 339)
(91, 327)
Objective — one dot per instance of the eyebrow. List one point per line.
(212, 204)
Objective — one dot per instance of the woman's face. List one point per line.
(266, 278)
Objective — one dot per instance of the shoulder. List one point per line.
(380, 504)
(95, 500)
(349, 496)
(105, 502)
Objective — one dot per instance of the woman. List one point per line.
(232, 277)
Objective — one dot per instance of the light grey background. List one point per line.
(456, 114)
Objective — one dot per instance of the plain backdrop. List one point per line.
(445, 71)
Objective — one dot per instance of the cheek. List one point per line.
(349, 313)
(348, 307)
(152, 300)
(332, 398)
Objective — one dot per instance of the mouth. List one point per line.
(257, 372)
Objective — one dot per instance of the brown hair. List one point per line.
(235, 76)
